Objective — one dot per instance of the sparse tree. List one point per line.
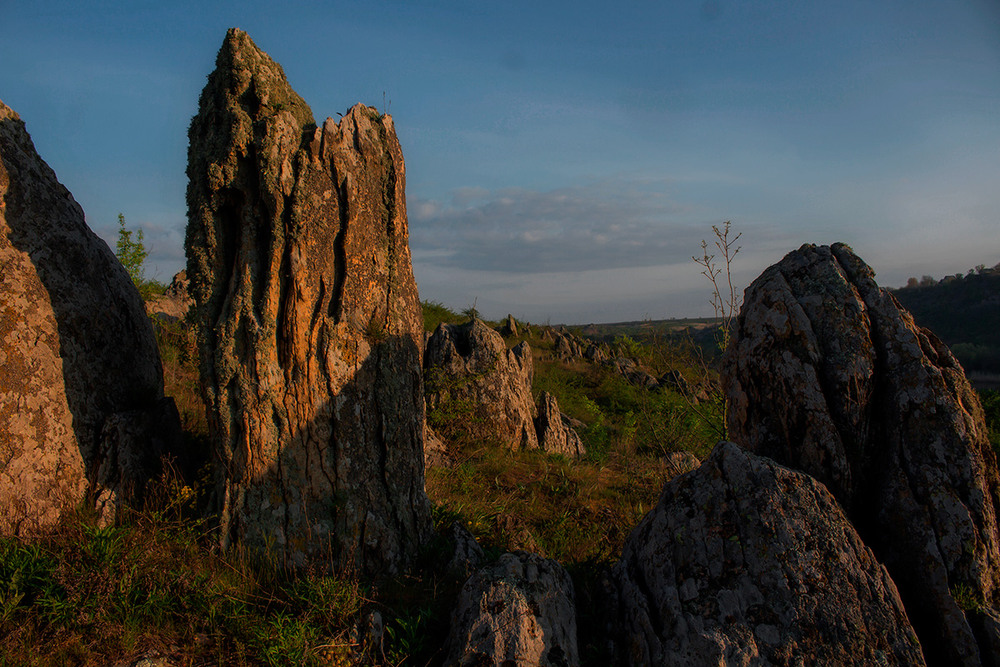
(912, 282)
(132, 254)
(725, 299)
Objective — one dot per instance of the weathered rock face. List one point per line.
(519, 611)
(509, 327)
(175, 303)
(555, 435)
(468, 554)
(81, 386)
(469, 365)
(310, 324)
(829, 375)
(745, 562)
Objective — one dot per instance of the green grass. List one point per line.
(156, 581)
(436, 313)
(90, 595)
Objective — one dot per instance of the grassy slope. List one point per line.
(156, 582)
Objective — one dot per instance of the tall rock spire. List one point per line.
(310, 325)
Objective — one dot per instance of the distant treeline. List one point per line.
(929, 281)
(963, 311)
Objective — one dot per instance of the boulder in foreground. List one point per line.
(82, 411)
(828, 374)
(744, 562)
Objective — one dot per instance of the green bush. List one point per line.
(132, 254)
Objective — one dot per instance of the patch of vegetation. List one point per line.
(436, 313)
(963, 311)
(132, 254)
(87, 594)
(990, 398)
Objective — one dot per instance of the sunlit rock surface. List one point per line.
(310, 324)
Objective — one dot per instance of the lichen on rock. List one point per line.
(82, 411)
(828, 374)
(310, 326)
(745, 562)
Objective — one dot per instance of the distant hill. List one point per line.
(964, 312)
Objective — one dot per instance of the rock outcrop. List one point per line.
(555, 435)
(828, 374)
(518, 611)
(471, 373)
(509, 327)
(744, 562)
(81, 386)
(173, 305)
(309, 321)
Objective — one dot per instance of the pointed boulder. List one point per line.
(828, 374)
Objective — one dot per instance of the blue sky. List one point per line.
(564, 159)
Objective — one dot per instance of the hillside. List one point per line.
(964, 311)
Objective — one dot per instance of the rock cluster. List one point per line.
(829, 375)
(484, 390)
(82, 409)
(310, 326)
(470, 369)
(745, 562)
(518, 611)
(568, 347)
(509, 327)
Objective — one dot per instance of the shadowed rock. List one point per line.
(310, 325)
(744, 562)
(829, 375)
(469, 367)
(518, 611)
(555, 436)
(81, 386)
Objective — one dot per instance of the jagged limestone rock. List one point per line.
(828, 374)
(81, 386)
(173, 305)
(509, 327)
(519, 611)
(555, 435)
(744, 562)
(310, 325)
(471, 373)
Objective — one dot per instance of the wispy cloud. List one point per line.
(607, 225)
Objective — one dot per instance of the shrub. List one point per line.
(132, 254)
